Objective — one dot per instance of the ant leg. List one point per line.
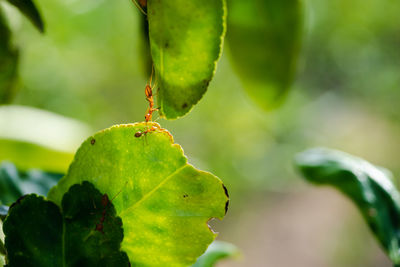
(139, 7)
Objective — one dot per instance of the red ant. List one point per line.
(151, 129)
(104, 202)
(148, 91)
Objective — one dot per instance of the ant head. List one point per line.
(148, 91)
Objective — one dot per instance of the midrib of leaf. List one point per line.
(146, 196)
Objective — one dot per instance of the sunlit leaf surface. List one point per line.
(164, 202)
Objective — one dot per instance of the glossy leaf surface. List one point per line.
(164, 202)
(8, 62)
(369, 187)
(185, 39)
(264, 40)
(15, 183)
(217, 251)
(28, 8)
(39, 234)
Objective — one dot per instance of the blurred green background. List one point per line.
(87, 66)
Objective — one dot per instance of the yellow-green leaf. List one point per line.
(164, 202)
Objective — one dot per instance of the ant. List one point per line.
(148, 91)
(104, 202)
(151, 129)
(154, 128)
(142, 6)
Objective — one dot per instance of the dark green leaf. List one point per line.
(33, 231)
(8, 63)
(185, 40)
(369, 187)
(216, 251)
(264, 40)
(164, 202)
(28, 8)
(38, 234)
(15, 183)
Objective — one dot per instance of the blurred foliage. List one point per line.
(264, 40)
(8, 62)
(32, 138)
(28, 8)
(217, 251)
(9, 55)
(27, 155)
(369, 187)
(15, 183)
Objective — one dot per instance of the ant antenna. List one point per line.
(119, 192)
(139, 7)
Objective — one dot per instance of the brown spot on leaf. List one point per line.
(93, 141)
(185, 105)
(185, 196)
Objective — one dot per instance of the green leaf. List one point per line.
(8, 63)
(34, 138)
(14, 183)
(216, 251)
(28, 8)
(164, 202)
(264, 40)
(185, 41)
(369, 187)
(38, 234)
(144, 47)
